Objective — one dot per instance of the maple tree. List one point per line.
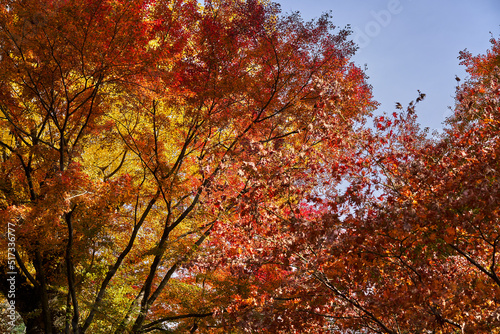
(399, 235)
(169, 166)
(434, 237)
(137, 136)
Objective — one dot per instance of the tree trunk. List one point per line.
(28, 302)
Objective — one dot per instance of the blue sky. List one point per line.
(411, 44)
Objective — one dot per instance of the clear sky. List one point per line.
(411, 44)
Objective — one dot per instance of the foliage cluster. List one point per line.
(173, 167)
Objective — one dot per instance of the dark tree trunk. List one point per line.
(27, 302)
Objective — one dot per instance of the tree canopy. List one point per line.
(170, 166)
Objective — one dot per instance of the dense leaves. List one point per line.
(169, 166)
(407, 243)
(436, 233)
(131, 130)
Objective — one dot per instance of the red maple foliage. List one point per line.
(132, 130)
(175, 167)
(399, 235)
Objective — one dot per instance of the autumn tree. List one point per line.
(433, 239)
(132, 130)
(444, 207)
(399, 235)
